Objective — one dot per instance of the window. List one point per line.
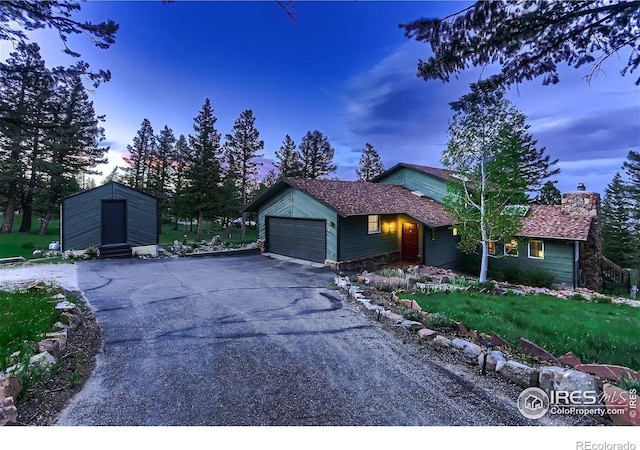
(455, 231)
(373, 224)
(491, 245)
(536, 249)
(511, 248)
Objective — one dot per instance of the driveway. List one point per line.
(249, 340)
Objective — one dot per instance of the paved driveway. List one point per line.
(254, 341)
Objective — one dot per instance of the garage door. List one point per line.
(298, 238)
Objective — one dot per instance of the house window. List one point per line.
(511, 248)
(491, 246)
(373, 224)
(455, 231)
(536, 249)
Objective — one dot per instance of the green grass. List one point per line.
(24, 317)
(595, 332)
(209, 230)
(23, 244)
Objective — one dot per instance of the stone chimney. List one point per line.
(583, 203)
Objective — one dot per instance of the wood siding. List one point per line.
(430, 186)
(294, 203)
(558, 259)
(356, 242)
(82, 217)
(440, 248)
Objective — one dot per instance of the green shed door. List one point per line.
(297, 238)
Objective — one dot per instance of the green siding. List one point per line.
(294, 203)
(430, 186)
(82, 217)
(356, 242)
(441, 251)
(558, 259)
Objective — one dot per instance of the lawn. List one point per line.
(23, 244)
(209, 230)
(595, 332)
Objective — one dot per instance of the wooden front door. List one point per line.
(410, 242)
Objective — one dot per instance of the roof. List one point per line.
(550, 221)
(110, 185)
(358, 198)
(433, 171)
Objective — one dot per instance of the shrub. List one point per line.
(539, 278)
(28, 245)
(578, 297)
(437, 320)
(486, 285)
(412, 314)
(512, 273)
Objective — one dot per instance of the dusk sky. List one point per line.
(344, 68)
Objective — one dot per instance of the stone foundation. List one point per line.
(368, 263)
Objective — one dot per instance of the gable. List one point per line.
(428, 181)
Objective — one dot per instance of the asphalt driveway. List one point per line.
(249, 340)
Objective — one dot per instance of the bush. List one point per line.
(539, 278)
(512, 273)
(412, 314)
(437, 320)
(28, 245)
(578, 297)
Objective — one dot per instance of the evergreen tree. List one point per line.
(632, 169)
(549, 195)
(161, 168)
(317, 155)
(114, 175)
(370, 164)
(241, 151)
(141, 153)
(288, 159)
(616, 222)
(202, 176)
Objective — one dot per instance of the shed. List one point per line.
(113, 217)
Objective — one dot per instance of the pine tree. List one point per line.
(317, 155)
(179, 203)
(161, 167)
(549, 195)
(141, 153)
(203, 166)
(241, 151)
(616, 222)
(114, 175)
(370, 164)
(632, 169)
(288, 159)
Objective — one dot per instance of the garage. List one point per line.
(297, 238)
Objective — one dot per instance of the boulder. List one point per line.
(52, 347)
(492, 359)
(496, 339)
(609, 371)
(535, 350)
(411, 325)
(43, 360)
(426, 333)
(570, 359)
(470, 349)
(618, 399)
(10, 386)
(569, 380)
(60, 336)
(65, 306)
(392, 316)
(518, 373)
(8, 411)
(442, 341)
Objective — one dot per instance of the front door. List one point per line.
(114, 222)
(410, 242)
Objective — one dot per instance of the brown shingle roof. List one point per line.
(433, 171)
(356, 198)
(549, 221)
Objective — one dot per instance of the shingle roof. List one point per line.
(433, 171)
(356, 198)
(550, 221)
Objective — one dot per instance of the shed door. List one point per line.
(297, 238)
(114, 222)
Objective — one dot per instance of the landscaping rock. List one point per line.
(411, 325)
(496, 339)
(65, 306)
(72, 319)
(618, 399)
(609, 371)
(442, 341)
(8, 411)
(426, 333)
(561, 379)
(518, 373)
(407, 303)
(462, 329)
(535, 350)
(415, 306)
(570, 359)
(492, 359)
(392, 316)
(9, 386)
(60, 336)
(52, 347)
(43, 360)
(469, 348)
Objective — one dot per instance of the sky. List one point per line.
(344, 68)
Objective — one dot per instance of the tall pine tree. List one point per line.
(161, 168)
(288, 159)
(317, 155)
(370, 164)
(203, 166)
(616, 222)
(141, 153)
(549, 195)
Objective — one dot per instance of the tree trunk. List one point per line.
(199, 227)
(244, 225)
(27, 212)
(45, 224)
(7, 224)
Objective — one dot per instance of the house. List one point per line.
(115, 218)
(350, 225)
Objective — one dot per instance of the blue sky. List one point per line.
(344, 68)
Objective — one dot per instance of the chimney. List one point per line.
(583, 203)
